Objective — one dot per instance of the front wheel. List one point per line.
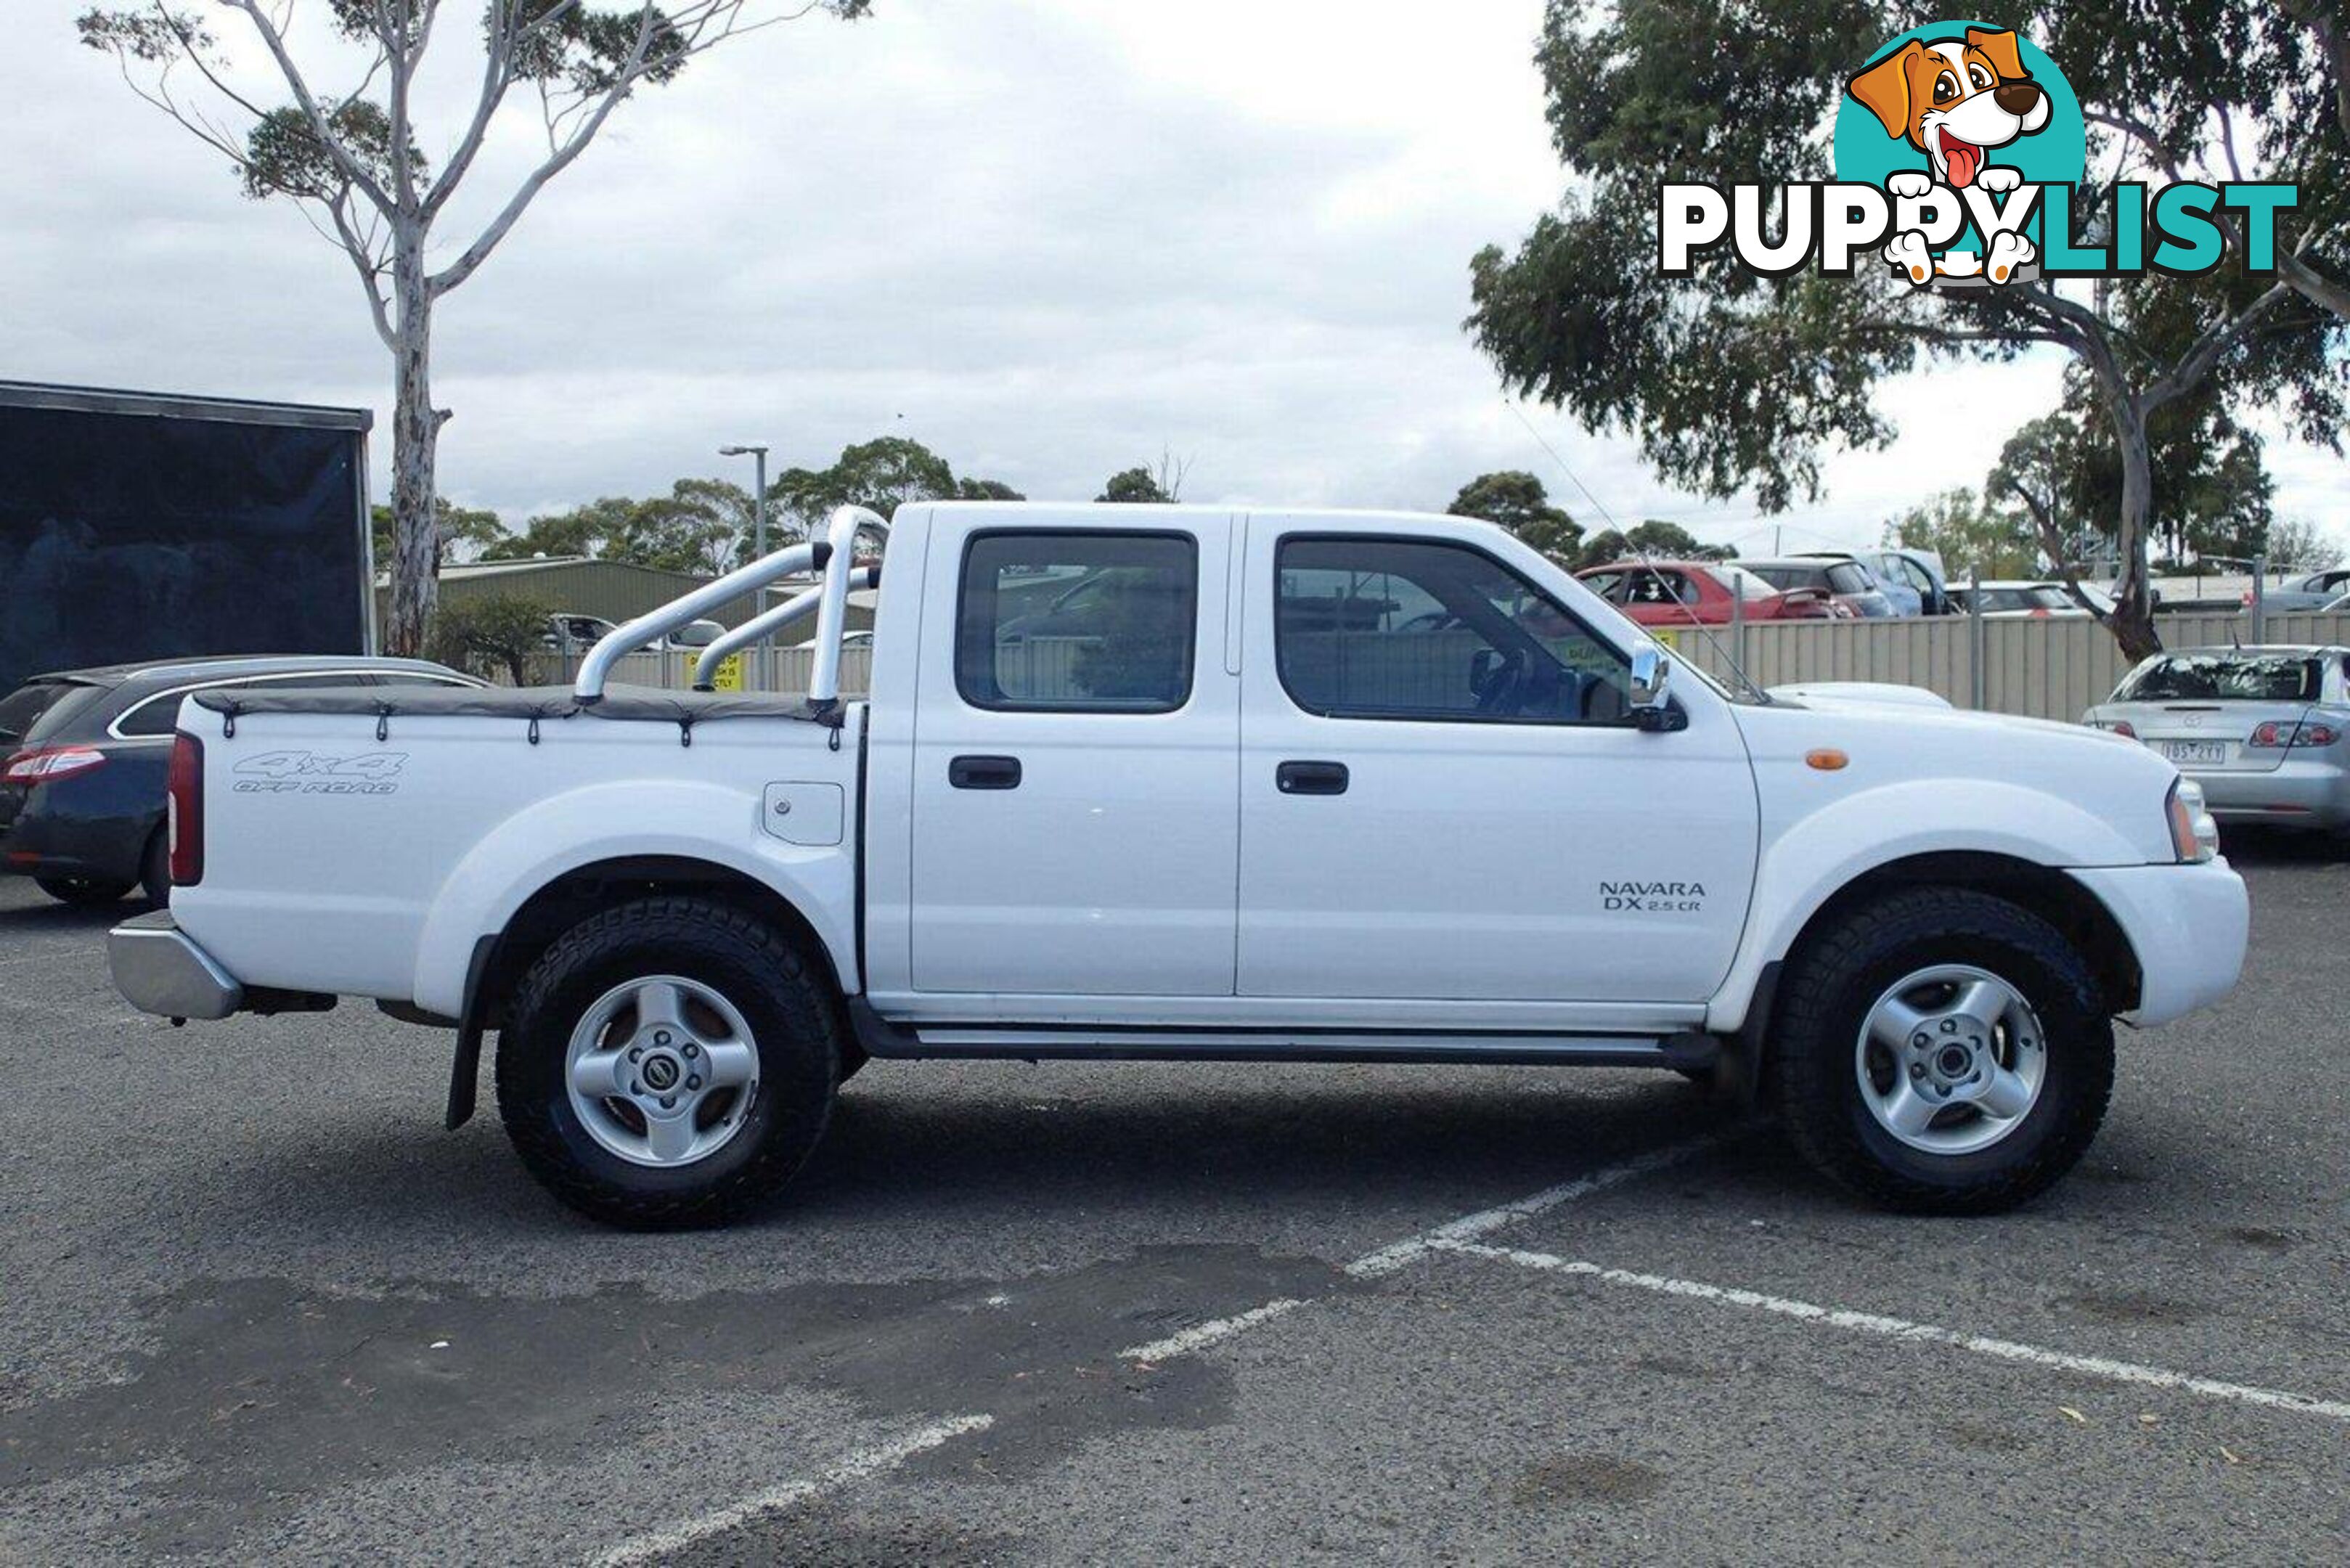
(668, 1063)
(1942, 1050)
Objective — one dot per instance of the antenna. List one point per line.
(1729, 661)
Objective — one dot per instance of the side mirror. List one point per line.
(1651, 672)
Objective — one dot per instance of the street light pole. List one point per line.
(758, 455)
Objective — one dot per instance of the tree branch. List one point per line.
(2053, 545)
(368, 264)
(274, 37)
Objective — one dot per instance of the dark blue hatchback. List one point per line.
(84, 754)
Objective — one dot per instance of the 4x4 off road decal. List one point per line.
(312, 772)
(1960, 149)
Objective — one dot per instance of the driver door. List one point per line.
(1442, 795)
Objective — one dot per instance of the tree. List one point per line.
(1517, 500)
(462, 532)
(1733, 381)
(355, 165)
(1141, 485)
(1135, 485)
(591, 530)
(490, 633)
(701, 525)
(884, 474)
(2299, 544)
(1970, 536)
(1655, 538)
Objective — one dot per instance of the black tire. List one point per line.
(781, 994)
(852, 1061)
(155, 870)
(83, 891)
(1824, 1003)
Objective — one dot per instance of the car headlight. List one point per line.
(2193, 835)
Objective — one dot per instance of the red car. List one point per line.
(1699, 593)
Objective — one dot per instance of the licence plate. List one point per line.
(2196, 750)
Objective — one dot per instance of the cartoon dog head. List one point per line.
(1954, 98)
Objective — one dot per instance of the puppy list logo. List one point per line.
(1960, 150)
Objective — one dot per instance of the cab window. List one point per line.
(1072, 622)
(1398, 628)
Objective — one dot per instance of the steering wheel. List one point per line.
(1497, 689)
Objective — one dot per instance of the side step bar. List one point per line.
(1688, 1051)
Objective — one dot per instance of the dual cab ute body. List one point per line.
(1276, 784)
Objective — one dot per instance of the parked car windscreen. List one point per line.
(2222, 676)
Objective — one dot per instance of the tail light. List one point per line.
(184, 811)
(39, 764)
(2305, 732)
(2121, 727)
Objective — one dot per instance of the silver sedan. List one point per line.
(2265, 730)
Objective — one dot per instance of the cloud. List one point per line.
(1047, 240)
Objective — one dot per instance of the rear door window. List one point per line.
(1074, 622)
(1846, 577)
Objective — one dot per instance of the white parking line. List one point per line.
(856, 1467)
(1485, 1222)
(1207, 1334)
(1451, 1235)
(1915, 1333)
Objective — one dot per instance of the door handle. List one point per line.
(984, 772)
(1311, 778)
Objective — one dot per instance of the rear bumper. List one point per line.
(2187, 925)
(2303, 794)
(159, 970)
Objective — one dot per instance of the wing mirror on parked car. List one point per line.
(1651, 672)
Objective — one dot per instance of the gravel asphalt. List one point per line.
(256, 1304)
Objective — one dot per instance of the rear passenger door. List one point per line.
(1076, 822)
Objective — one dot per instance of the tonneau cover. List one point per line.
(640, 704)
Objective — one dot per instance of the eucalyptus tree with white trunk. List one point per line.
(353, 161)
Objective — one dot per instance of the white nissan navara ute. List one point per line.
(1186, 783)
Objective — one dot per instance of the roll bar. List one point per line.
(760, 627)
(832, 611)
(809, 557)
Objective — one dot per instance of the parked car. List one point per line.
(1700, 593)
(2265, 730)
(1911, 580)
(585, 631)
(1264, 832)
(2035, 598)
(84, 755)
(1852, 585)
(2310, 591)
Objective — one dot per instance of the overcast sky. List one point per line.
(1047, 238)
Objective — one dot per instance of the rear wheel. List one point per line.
(668, 1063)
(1942, 1050)
(155, 870)
(83, 891)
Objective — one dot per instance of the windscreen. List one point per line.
(2222, 677)
(127, 536)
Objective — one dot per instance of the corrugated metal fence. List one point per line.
(763, 670)
(2050, 669)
